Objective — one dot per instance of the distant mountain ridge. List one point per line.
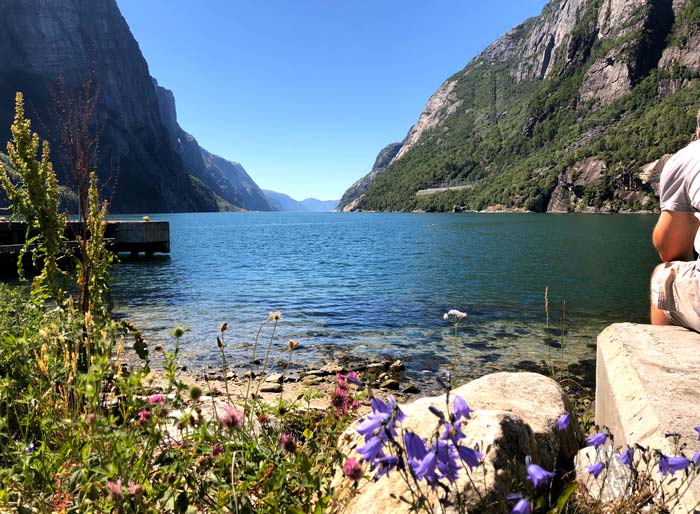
(571, 110)
(283, 202)
(146, 162)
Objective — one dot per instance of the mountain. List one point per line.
(350, 199)
(282, 202)
(48, 47)
(228, 180)
(573, 110)
(314, 205)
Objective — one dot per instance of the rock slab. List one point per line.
(514, 415)
(647, 387)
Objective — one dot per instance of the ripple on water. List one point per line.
(378, 284)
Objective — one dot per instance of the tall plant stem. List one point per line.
(220, 344)
(267, 355)
(250, 374)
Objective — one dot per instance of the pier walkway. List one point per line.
(134, 237)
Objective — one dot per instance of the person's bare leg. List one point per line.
(658, 317)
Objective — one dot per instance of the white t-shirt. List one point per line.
(680, 180)
(680, 183)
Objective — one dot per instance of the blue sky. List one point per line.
(304, 93)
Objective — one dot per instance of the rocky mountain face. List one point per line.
(228, 180)
(51, 46)
(570, 111)
(352, 198)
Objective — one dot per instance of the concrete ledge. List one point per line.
(648, 385)
(126, 236)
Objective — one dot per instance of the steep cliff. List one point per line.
(352, 198)
(44, 43)
(566, 112)
(228, 180)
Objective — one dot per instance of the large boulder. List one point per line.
(650, 173)
(514, 416)
(646, 388)
(573, 182)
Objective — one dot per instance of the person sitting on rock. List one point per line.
(675, 284)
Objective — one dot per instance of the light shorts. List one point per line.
(675, 289)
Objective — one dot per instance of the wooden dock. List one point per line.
(134, 237)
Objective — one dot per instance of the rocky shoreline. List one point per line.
(315, 383)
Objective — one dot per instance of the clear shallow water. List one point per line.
(378, 284)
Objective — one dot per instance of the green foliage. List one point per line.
(93, 269)
(34, 196)
(512, 139)
(98, 440)
(33, 190)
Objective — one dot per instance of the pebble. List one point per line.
(271, 388)
(411, 389)
(315, 373)
(397, 365)
(310, 380)
(332, 369)
(275, 377)
(390, 384)
(374, 366)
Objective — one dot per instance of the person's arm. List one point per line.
(674, 235)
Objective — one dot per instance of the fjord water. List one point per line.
(369, 284)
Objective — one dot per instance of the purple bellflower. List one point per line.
(596, 469)
(563, 421)
(447, 461)
(453, 432)
(436, 412)
(626, 457)
(470, 456)
(598, 439)
(415, 448)
(672, 464)
(696, 459)
(461, 409)
(522, 506)
(378, 428)
(537, 475)
(384, 465)
(443, 383)
(697, 429)
(372, 449)
(384, 415)
(426, 467)
(372, 423)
